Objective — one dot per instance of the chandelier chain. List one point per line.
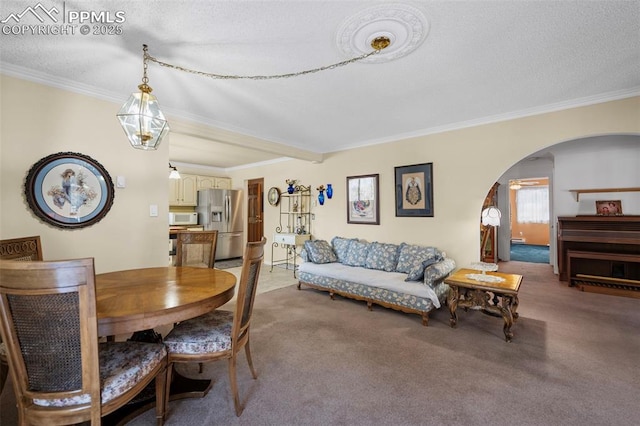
(145, 65)
(256, 77)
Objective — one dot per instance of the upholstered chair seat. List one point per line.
(208, 333)
(122, 364)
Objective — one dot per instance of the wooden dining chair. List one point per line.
(222, 334)
(24, 248)
(196, 248)
(61, 374)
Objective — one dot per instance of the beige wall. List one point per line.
(465, 164)
(37, 121)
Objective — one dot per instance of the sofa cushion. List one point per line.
(319, 251)
(341, 247)
(357, 253)
(417, 273)
(383, 257)
(411, 257)
(304, 255)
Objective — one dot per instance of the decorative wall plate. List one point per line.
(273, 196)
(69, 190)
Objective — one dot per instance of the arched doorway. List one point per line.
(571, 164)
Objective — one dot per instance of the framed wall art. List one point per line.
(69, 190)
(363, 200)
(414, 190)
(609, 208)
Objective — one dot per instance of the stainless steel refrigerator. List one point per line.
(221, 210)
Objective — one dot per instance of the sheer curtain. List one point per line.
(532, 205)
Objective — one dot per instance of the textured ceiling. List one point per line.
(453, 64)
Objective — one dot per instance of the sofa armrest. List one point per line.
(437, 272)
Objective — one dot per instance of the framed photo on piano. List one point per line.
(609, 208)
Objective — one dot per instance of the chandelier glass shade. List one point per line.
(142, 120)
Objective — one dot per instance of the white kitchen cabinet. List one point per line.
(183, 191)
(213, 182)
(223, 183)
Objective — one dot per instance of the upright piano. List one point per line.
(600, 253)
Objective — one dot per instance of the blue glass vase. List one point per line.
(329, 190)
(321, 198)
(291, 189)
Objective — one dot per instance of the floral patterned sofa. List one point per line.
(405, 277)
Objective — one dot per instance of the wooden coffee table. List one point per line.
(494, 298)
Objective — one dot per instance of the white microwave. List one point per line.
(183, 218)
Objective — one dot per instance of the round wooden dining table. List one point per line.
(140, 299)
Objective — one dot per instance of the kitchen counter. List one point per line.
(174, 229)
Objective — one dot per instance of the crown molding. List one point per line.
(544, 109)
(75, 87)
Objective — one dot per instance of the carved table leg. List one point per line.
(452, 301)
(507, 315)
(514, 307)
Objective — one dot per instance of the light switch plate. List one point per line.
(121, 182)
(153, 210)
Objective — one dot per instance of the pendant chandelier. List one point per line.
(144, 123)
(141, 118)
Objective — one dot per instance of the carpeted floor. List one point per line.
(573, 361)
(530, 253)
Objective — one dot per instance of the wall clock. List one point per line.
(69, 190)
(273, 196)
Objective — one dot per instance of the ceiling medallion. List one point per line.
(405, 26)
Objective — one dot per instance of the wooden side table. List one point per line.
(494, 298)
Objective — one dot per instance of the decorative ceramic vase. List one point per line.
(329, 190)
(291, 189)
(321, 198)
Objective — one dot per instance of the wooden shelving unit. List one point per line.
(601, 190)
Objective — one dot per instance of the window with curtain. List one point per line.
(532, 205)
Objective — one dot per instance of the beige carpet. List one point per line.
(573, 361)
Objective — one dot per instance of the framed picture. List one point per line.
(69, 190)
(414, 190)
(609, 208)
(363, 200)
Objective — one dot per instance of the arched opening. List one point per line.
(604, 161)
